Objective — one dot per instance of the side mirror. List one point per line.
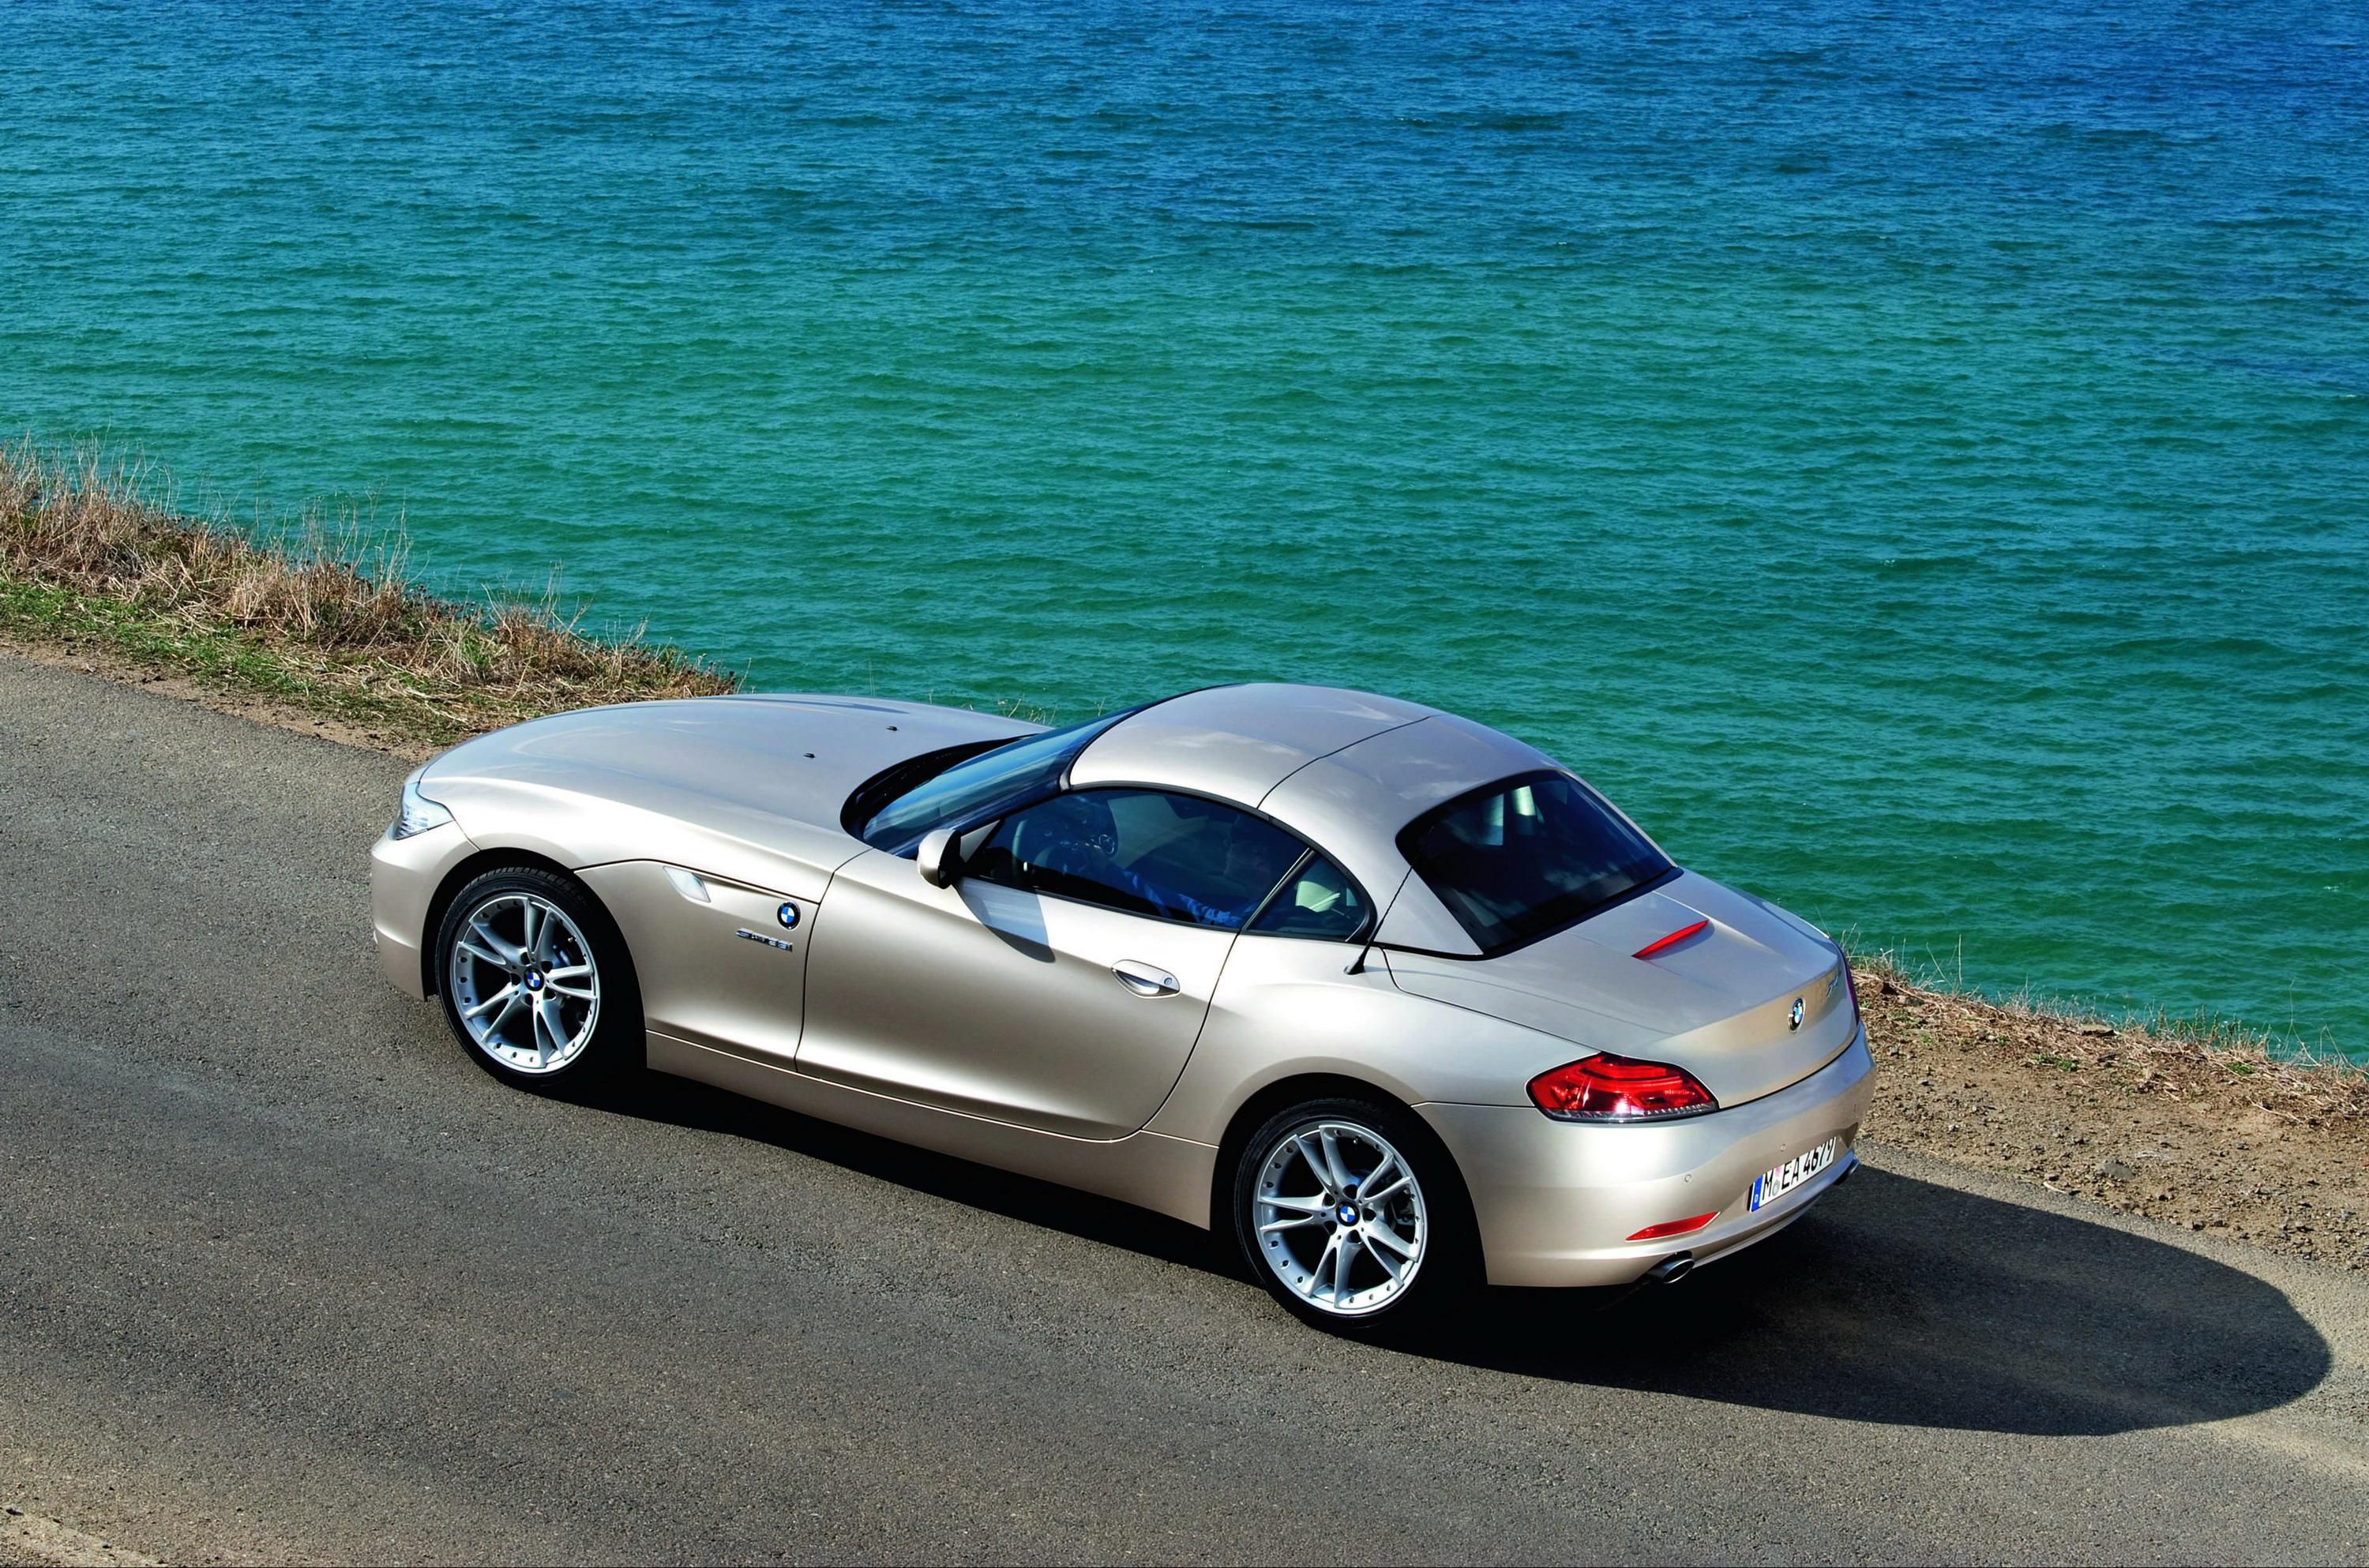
(939, 857)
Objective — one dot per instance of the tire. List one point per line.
(1412, 1257)
(536, 983)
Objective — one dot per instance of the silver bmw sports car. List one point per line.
(1400, 1002)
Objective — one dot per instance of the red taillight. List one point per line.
(1670, 941)
(1674, 1227)
(1610, 1088)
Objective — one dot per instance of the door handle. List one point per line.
(1145, 979)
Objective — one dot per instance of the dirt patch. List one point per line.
(2225, 1139)
(222, 698)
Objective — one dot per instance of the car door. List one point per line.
(1063, 980)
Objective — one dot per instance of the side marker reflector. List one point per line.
(1670, 941)
(1674, 1227)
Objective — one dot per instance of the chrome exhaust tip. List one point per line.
(1672, 1269)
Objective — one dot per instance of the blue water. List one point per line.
(1916, 461)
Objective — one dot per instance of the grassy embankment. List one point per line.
(318, 616)
(2196, 1123)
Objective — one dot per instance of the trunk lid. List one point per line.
(1719, 1003)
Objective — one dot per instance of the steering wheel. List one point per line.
(1079, 837)
(1078, 851)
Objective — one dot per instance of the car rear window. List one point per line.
(1518, 860)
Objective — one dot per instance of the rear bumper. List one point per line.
(1556, 1201)
(405, 874)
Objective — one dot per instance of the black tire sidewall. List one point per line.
(617, 1046)
(1450, 1265)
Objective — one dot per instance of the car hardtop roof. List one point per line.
(1237, 742)
(1346, 769)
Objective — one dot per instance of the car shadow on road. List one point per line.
(1902, 1302)
(1895, 1300)
(682, 1102)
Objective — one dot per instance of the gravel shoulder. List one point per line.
(2227, 1142)
(29, 1541)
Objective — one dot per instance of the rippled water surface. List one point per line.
(1918, 464)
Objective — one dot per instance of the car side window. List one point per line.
(1320, 902)
(1144, 851)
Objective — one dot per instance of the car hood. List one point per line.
(1719, 1003)
(769, 773)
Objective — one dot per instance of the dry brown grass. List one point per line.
(320, 614)
(2165, 1050)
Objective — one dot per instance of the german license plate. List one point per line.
(1770, 1186)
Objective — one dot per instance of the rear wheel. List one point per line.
(1351, 1216)
(536, 981)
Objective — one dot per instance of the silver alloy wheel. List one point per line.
(1340, 1217)
(524, 984)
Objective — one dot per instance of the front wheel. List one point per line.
(536, 981)
(1352, 1217)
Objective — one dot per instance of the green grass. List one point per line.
(221, 657)
(315, 615)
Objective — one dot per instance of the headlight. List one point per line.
(419, 813)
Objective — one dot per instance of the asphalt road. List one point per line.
(282, 1275)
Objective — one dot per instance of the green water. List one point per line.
(1918, 467)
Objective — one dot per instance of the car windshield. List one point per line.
(1528, 856)
(1008, 775)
